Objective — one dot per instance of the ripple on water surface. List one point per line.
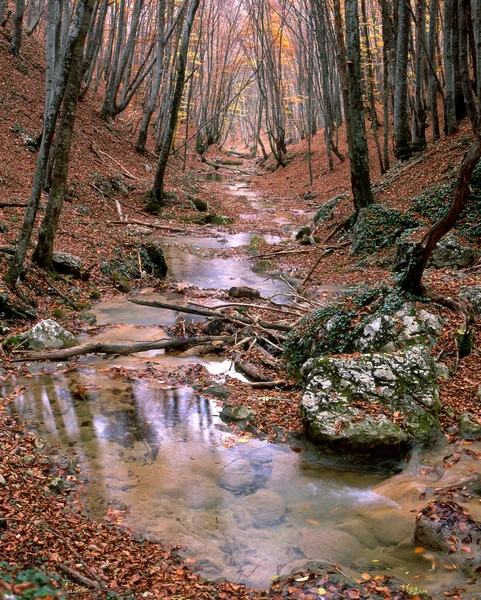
(246, 510)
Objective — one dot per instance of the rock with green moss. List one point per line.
(221, 220)
(66, 263)
(449, 253)
(46, 334)
(473, 295)
(89, 317)
(469, 426)
(153, 259)
(326, 211)
(371, 406)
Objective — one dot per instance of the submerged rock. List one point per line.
(373, 405)
(46, 334)
(448, 528)
(265, 507)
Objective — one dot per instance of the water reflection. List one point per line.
(246, 511)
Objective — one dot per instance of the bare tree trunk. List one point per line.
(402, 137)
(358, 152)
(449, 67)
(433, 86)
(175, 105)
(154, 92)
(17, 27)
(50, 122)
(463, 9)
(419, 115)
(63, 143)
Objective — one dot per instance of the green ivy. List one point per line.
(380, 227)
(336, 327)
(41, 584)
(434, 204)
(325, 212)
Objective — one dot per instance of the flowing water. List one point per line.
(159, 459)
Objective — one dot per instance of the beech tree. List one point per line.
(75, 38)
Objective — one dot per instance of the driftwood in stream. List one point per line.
(152, 225)
(244, 291)
(101, 348)
(252, 371)
(211, 313)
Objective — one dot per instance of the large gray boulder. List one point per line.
(372, 405)
(406, 328)
(66, 263)
(449, 253)
(448, 528)
(46, 334)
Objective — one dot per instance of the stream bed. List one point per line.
(159, 458)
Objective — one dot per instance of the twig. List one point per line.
(68, 300)
(152, 225)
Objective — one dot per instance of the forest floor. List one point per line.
(106, 173)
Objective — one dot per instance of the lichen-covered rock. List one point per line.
(449, 253)
(448, 528)
(406, 328)
(66, 263)
(372, 405)
(473, 294)
(469, 426)
(46, 334)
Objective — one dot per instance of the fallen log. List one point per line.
(210, 313)
(122, 349)
(266, 384)
(253, 372)
(152, 225)
(12, 204)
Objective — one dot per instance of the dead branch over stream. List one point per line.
(120, 349)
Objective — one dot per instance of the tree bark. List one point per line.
(402, 137)
(358, 152)
(50, 122)
(17, 27)
(175, 105)
(44, 250)
(450, 85)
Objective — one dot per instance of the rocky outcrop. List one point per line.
(46, 334)
(373, 406)
(153, 259)
(449, 253)
(469, 426)
(67, 264)
(406, 328)
(448, 528)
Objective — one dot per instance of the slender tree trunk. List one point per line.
(63, 143)
(449, 75)
(175, 105)
(154, 92)
(17, 27)
(50, 122)
(402, 137)
(463, 10)
(358, 152)
(419, 115)
(433, 87)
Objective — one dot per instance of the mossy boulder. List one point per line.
(473, 295)
(449, 253)
(469, 426)
(47, 334)
(220, 220)
(67, 264)
(371, 406)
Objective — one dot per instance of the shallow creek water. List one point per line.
(245, 509)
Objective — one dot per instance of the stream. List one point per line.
(158, 457)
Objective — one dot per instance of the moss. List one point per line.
(58, 313)
(95, 295)
(326, 210)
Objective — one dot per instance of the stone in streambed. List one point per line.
(371, 407)
(448, 528)
(46, 334)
